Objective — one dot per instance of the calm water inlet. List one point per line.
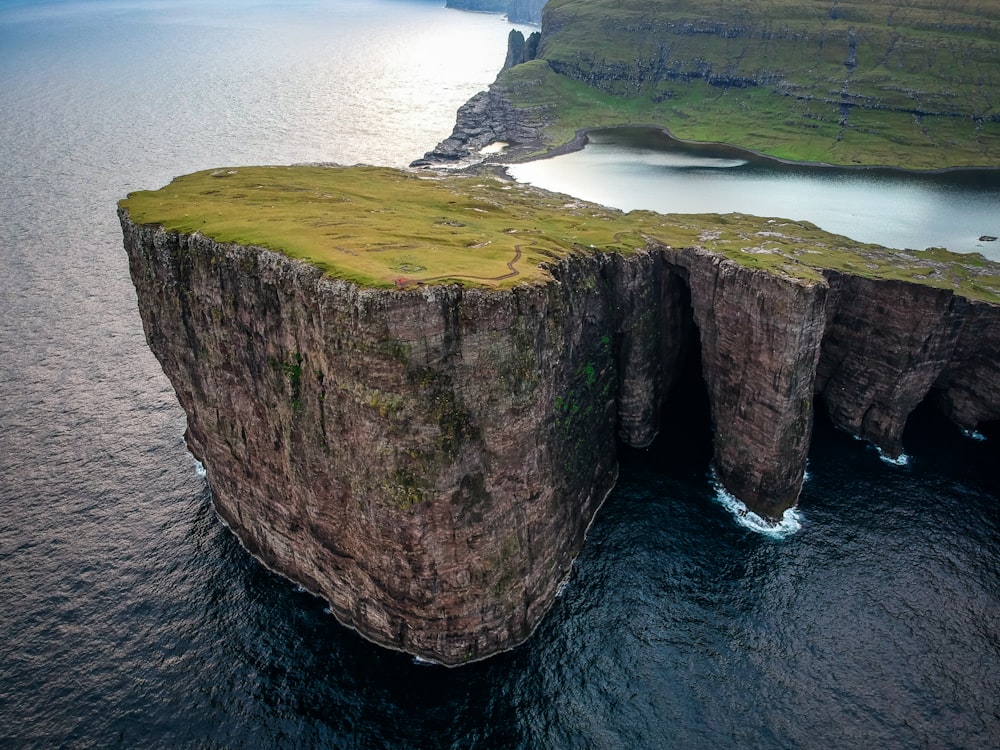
(131, 617)
(639, 168)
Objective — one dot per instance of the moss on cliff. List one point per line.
(383, 227)
(850, 82)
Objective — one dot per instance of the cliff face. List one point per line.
(525, 11)
(518, 11)
(429, 460)
(870, 55)
(888, 345)
(760, 342)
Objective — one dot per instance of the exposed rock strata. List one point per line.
(429, 460)
(488, 117)
(888, 344)
(760, 342)
(826, 71)
(865, 55)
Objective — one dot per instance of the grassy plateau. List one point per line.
(388, 228)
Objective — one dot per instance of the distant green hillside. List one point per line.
(912, 83)
(518, 11)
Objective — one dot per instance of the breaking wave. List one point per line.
(901, 460)
(791, 519)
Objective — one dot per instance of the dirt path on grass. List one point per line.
(509, 275)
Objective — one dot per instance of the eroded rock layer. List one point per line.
(428, 460)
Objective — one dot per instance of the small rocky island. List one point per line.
(407, 389)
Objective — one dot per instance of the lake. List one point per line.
(641, 168)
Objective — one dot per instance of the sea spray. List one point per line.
(790, 523)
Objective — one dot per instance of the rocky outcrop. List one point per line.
(519, 49)
(760, 342)
(428, 460)
(487, 118)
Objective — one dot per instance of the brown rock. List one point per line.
(429, 460)
(885, 344)
(760, 340)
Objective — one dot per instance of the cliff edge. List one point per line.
(427, 452)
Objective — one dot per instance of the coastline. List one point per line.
(582, 137)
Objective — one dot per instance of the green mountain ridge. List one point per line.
(908, 84)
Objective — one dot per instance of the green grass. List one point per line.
(755, 119)
(379, 226)
(923, 89)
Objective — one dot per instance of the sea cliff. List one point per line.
(518, 11)
(428, 456)
(428, 461)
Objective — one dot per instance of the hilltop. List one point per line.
(844, 82)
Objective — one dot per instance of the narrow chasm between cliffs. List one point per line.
(686, 435)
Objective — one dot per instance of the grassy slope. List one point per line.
(375, 226)
(920, 89)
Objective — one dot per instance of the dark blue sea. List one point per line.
(131, 618)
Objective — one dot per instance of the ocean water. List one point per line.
(131, 618)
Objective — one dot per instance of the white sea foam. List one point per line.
(974, 435)
(902, 460)
(421, 662)
(199, 467)
(791, 519)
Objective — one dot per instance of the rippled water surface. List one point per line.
(131, 617)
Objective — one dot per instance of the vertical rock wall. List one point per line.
(968, 387)
(889, 344)
(429, 460)
(884, 346)
(760, 341)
